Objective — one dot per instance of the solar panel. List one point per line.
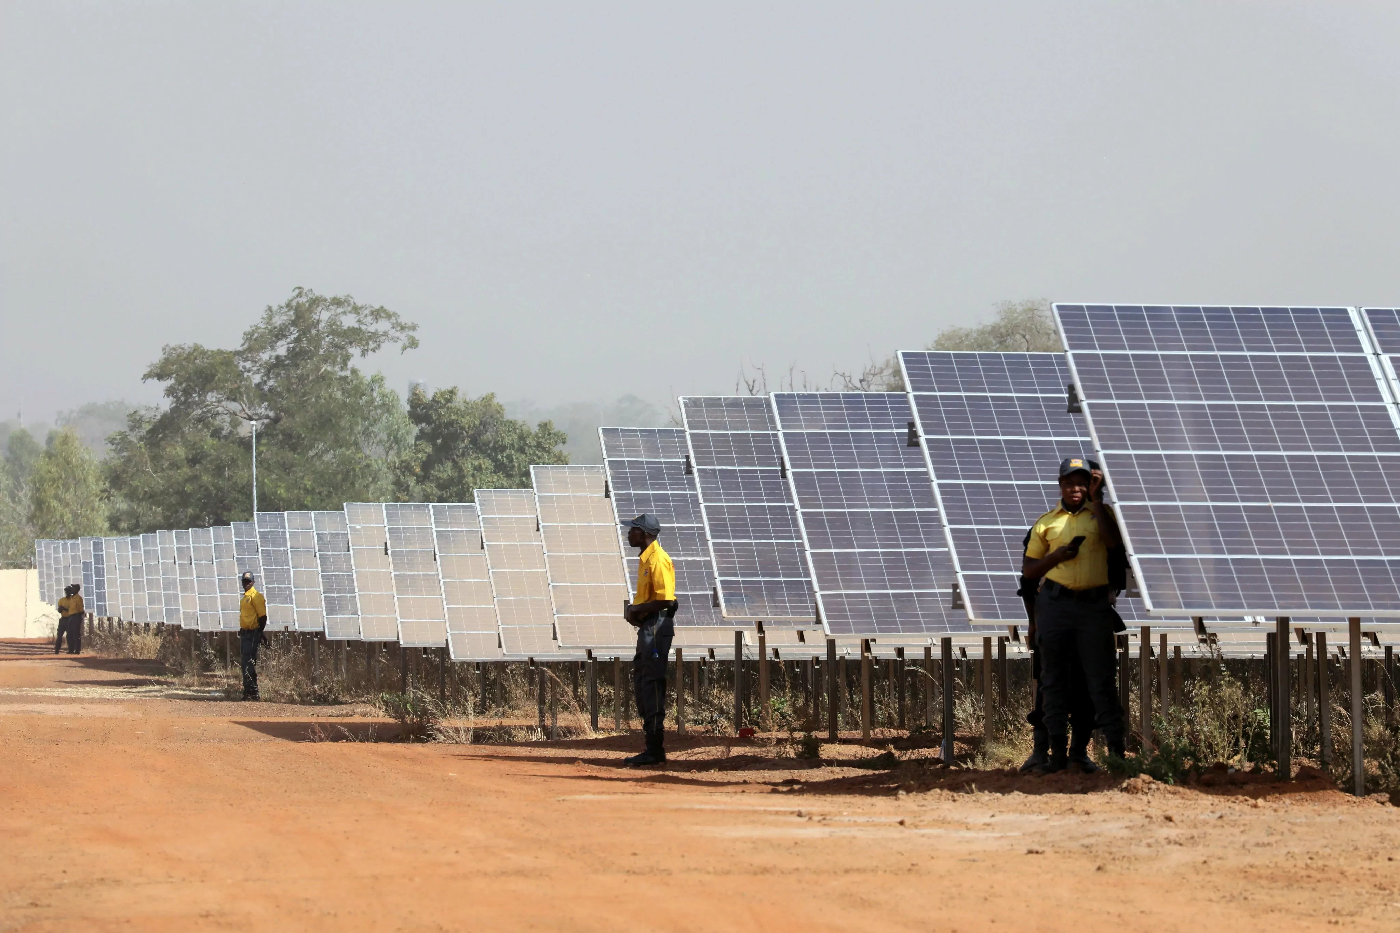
(581, 556)
(308, 612)
(337, 570)
(155, 582)
(133, 590)
(89, 586)
(99, 578)
(473, 632)
(206, 582)
(747, 508)
(227, 574)
(873, 540)
(515, 555)
(184, 573)
(374, 577)
(118, 577)
(169, 570)
(247, 553)
(276, 557)
(1216, 427)
(417, 586)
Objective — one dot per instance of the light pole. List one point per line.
(253, 419)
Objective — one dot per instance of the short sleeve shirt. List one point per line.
(1057, 528)
(251, 608)
(656, 575)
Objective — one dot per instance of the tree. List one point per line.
(67, 495)
(327, 432)
(465, 444)
(22, 453)
(96, 421)
(1019, 327)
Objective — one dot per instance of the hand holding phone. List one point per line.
(1073, 546)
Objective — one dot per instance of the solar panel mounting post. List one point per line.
(1164, 679)
(738, 681)
(764, 714)
(680, 693)
(928, 686)
(617, 694)
(949, 723)
(1306, 682)
(1324, 701)
(867, 710)
(902, 681)
(1358, 762)
(592, 691)
(988, 707)
(1283, 655)
(1145, 687)
(833, 715)
(1388, 684)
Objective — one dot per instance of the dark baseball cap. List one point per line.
(1075, 465)
(647, 523)
(247, 577)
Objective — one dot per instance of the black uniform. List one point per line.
(649, 675)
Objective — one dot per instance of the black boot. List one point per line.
(1039, 751)
(1059, 761)
(654, 754)
(1079, 752)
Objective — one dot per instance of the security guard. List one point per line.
(70, 619)
(653, 612)
(1068, 551)
(252, 620)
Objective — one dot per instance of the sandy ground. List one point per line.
(128, 804)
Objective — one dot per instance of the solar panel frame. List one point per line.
(99, 577)
(853, 475)
(307, 610)
(339, 606)
(744, 501)
(473, 630)
(583, 562)
(136, 567)
(1225, 571)
(276, 558)
(418, 601)
(227, 576)
(519, 580)
(184, 575)
(206, 582)
(374, 580)
(155, 581)
(169, 570)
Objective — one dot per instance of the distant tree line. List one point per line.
(327, 433)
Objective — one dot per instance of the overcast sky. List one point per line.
(580, 200)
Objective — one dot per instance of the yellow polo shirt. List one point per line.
(70, 606)
(656, 575)
(1056, 528)
(251, 608)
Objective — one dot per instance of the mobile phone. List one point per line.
(1076, 541)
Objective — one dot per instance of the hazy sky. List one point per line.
(581, 200)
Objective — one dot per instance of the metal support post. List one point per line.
(1358, 710)
(1324, 701)
(1283, 656)
(1145, 687)
(949, 725)
(833, 693)
(901, 683)
(765, 717)
(738, 681)
(592, 692)
(928, 686)
(867, 699)
(617, 694)
(989, 713)
(1164, 678)
(680, 693)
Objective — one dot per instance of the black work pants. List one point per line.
(73, 626)
(1081, 710)
(1072, 632)
(248, 640)
(649, 674)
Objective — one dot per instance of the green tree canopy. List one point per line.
(465, 444)
(67, 496)
(22, 454)
(327, 432)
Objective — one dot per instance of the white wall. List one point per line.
(22, 614)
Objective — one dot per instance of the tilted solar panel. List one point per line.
(582, 557)
(515, 555)
(747, 508)
(184, 567)
(247, 553)
(276, 559)
(120, 549)
(227, 574)
(873, 539)
(169, 570)
(155, 582)
(99, 578)
(337, 569)
(306, 572)
(374, 575)
(417, 586)
(1216, 427)
(206, 581)
(473, 632)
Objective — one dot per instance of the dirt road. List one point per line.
(126, 804)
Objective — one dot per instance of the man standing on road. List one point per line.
(1074, 614)
(652, 612)
(252, 619)
(70, 619)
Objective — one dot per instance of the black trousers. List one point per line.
(73, 625)
(1072, 633)
(248, 640)
(649, 674)
(1081, 709)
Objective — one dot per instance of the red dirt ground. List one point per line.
(128, 804)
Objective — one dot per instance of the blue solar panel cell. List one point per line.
(865, 411)
(1196, 377)
(1250, 428)
(997, 504)
(1385, 324)
(643, 443)
(853, 450)
(670, 508)
(1164, 329)
(986, 373)
(998, 459)
(988, 416)
(745, 449)
(835, 530)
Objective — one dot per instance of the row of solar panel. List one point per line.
(861, 510)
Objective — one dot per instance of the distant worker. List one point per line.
(70, 619)
(653, 612)
(252, 620)
(1075, 620)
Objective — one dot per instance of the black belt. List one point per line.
(1060, 591)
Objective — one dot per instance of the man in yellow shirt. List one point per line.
(1068, 551)
(70, 619)
(653, 613)
(252, 619)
